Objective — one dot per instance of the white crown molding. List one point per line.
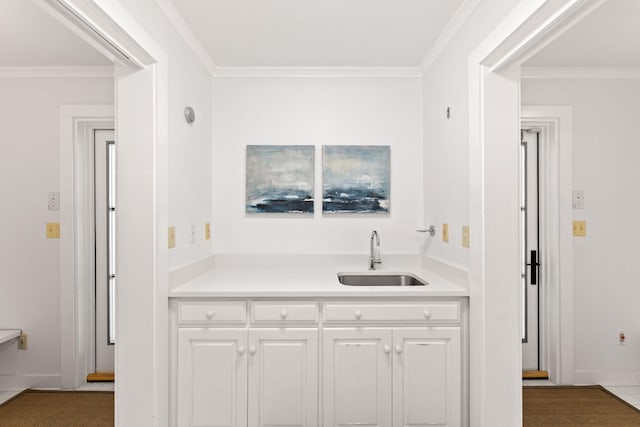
(175, 17)
(55, 72)
(318, 72)
(459, 18)
(580, 73)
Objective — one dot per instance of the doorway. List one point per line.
(104, 238)
(530, 273)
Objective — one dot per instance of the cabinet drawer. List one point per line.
(394, 312)
(288, 312)
(208, 312)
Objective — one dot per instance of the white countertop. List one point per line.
(248, 277)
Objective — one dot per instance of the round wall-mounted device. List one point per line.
(189, 115)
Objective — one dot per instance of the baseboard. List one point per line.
(607, 378)
(182, 275)
(446, 270)
(21, 382)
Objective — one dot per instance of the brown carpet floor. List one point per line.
(576, 406)
(35, 408)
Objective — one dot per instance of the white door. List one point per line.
(283, 377)
(530, 255)
(357, 370)
(427, 377)
(104, 203)
(212, 377)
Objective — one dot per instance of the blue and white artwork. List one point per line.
(355, 178)
(280, 178)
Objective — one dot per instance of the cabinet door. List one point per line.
(212, 377)
(427, 377)
(357, 377)
(283, 377)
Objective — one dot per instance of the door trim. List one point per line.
(556, 296)
(77, 123)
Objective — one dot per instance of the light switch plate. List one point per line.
(53, 203)
(465, 236)
(207, 231)
(172, 237)
(580, 228)
(445, 233)
(53, 230)
(578, 199)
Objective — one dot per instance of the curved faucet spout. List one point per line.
(374, 258)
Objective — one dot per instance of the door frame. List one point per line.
(494, 68)
(556, 249)
(141, 116)
(77, 263)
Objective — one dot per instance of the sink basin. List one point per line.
(381, 279)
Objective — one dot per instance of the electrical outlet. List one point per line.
(207, 231)
(445, 233)
(172, 237)
(465, 236)
(22, 341)
(53, 230)
(622, 338)
(580, 228)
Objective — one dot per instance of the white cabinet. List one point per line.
(357, 377)
(392, 377)
(427, 383)
(283, 377)
(258, 363)
(212, 377)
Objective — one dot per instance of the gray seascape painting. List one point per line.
(280, 178)
(355, 178)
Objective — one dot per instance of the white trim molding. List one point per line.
(450, 30)
(175, 18)
(580, 73)
(55, 72)
(319, 72)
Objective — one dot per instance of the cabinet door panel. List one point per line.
(212, 378)
(357, 377)
(426, 376)
(283, 377)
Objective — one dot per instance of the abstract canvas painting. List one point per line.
(355, 178)
(280, 178)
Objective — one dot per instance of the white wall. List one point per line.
(189, 146)
(606, 149)
(30, 263)
(317, 111)
(446, 146)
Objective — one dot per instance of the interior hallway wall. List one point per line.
(606, 149)
(317, 111)
(30, 263)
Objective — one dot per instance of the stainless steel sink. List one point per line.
(381, 279)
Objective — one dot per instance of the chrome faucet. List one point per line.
(373, 259)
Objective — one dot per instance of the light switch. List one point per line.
(580, 228)
(53, 230)
(578, 199)
(445, 233)
(54, 201)
(207, 231)
(172, 237)
(465, 236)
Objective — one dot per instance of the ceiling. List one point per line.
(608, 37)
(311, 33)
(29, 37)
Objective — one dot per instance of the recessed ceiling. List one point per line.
(29, 37)
(317, 33)
(608, 37)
